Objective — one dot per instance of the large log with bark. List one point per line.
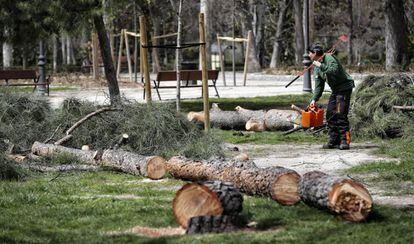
(245, 119)
(344, 197)
(278, 183)
(207, 198)
(152, 167)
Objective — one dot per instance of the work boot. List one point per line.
(344, 145)
(345, 141)
(332, 143)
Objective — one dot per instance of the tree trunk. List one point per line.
(24, 59)
(251, 120)
(178, 55)
(55, 52)
(156, 25)
(7, 55)
(312, 28)
(299, 39)
(341, 196)
(152, 167)
(63, 47)
(105, 47)
(350, 33)
(278, 183)
(48, 150)
(396, 36)
(250, 24)
(258, 10)
(275, 61)
(207, 198)
(68, 50)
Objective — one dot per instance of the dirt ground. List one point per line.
(308, 157)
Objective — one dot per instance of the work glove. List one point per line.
(317, 64)
(312, 103)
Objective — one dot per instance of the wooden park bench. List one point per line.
(8, 75)
(187, 78)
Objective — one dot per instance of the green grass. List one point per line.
(78, 208)
(392, 172)
(254, 103)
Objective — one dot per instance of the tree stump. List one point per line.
(207, 198)
(342, 196)
(210, 224)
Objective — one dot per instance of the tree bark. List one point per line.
(156, 25)
(105, 47)
(280, 184)
(68, 50)
(396, 36)
(299, 39)
(206, 198)
(55, 52)
(251, 120)
(211, 224)
(7, 54)
(350, 33)
(152, 167)
(63, 47)
(275, 60)
(344, 197)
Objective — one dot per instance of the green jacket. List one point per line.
(331, 72)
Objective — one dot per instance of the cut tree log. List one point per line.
(152, 167)
(278, 183)
(211, 224)
(206, 198)
(251, 120)
(344, 197)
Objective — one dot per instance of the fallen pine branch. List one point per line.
(69, 136)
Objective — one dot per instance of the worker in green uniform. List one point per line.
(329, 70)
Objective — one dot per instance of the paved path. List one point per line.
(258, 84)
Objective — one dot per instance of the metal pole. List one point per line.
(41, 88)
(234, 47)
(307, 85)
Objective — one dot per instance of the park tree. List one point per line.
(396, 36)
(283, 8)
(73, 13)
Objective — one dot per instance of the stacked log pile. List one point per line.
(245, 119)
